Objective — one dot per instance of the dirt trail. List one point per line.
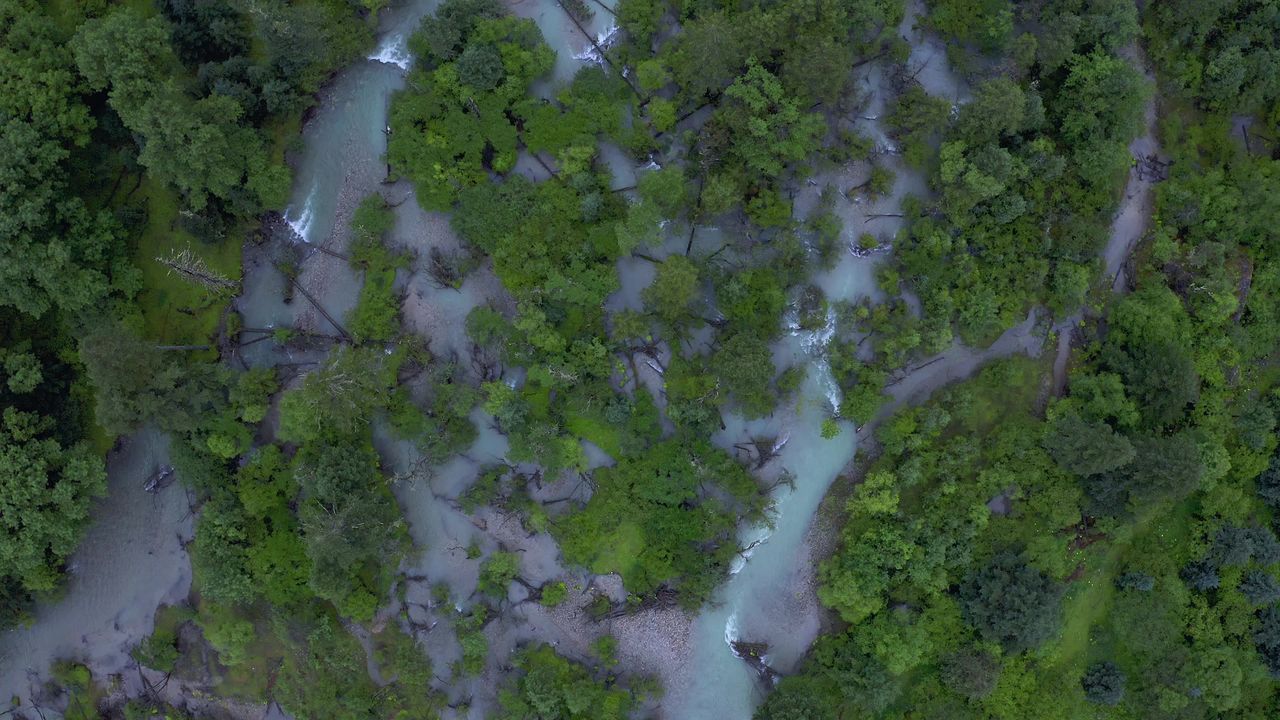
(1131, 222)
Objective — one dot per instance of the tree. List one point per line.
(1012, 603)
(497, 572)
(1087, 448)
(326, 675)
(768, 128)
(744, 365)
(1236, 546)
(1100, 107)
(553, 688)
(1260, 588)
(54, 252)
(999, 108)
(1266, 638)
(972, 673)
(1200, 575)
(1268, 484)
(136, 383)
(220, 553)
(458, 117)
(1103, 684)
(197, 145)
(1165, 467)
(799, 697)
(350, 522)
(480, 66)
(673, 289)
(664, 517)
(1230, 69)
(45, 491)
(709, 54)
(340, 397)
(442, 36)
(1139, 581)
(1161, 379)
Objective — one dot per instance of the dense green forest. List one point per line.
(1134, 572)
(1034, 541)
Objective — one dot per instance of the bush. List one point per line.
(1103, 684)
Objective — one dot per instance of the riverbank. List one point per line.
(132, 560)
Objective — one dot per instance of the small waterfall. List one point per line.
(814, 343)
(731, 630)
(301, 222)
(393, 50)
(603, 40)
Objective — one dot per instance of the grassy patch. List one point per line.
(1088, 606)
(251, 675)
(595, 430)
(620, 555)
(174, 310)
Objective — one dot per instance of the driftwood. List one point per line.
(908, 373)
(663, 597)
(600, 50)
(293, 282)
(160, 479)
(331, 253)
(764, 449)
(1151, 168)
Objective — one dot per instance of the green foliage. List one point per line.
(339, 398)
(552, 687)
(656, 520)
(830, 429)
(554, 593)
(351, 525)
(744, 369)
(444, 426)
(326, 676)
(497, 572)
(768, 129)
(673, 289)
(405, 664)
(199, 146)
(44, 495)
(376, 316)
(1086, 448)
(475, 645)
(605, 647)
(159, 650)
(228, 633)
(138, 383)
(82, 694)
(1072, 127)
(1218, 55)
(55, 251)
(1103, 683)
(987, 24)
(917, 119)
(971, 672)
(454, 121)
(1012, 603)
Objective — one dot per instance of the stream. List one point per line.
(132, 559)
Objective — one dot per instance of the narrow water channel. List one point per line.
(132, 559)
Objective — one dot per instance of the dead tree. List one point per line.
(192, 268)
